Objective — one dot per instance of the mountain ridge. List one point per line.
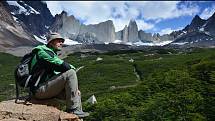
(36, 20)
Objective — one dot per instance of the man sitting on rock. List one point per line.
(58, 77)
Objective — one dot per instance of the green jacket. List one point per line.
(46, 60)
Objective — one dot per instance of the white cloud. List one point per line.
(208, 12)
(165, 31)
(154, 10)
(119, 24)
(143, 25)
(54, 7)
(168, 30)
(93, 12)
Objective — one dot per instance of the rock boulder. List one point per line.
(11, 111)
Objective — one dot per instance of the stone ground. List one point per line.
(11, 111)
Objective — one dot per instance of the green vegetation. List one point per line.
(7, 66)
(173, 85)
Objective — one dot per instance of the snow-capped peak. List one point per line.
(140, 43)
(70, 42)
(23, 9)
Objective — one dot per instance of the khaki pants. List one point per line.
(64, 85)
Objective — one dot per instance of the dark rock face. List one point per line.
(210, 25)
(37, 18)
(199, 33)
(195, 37)
(196, 24)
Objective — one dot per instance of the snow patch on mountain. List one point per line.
(179, 43)
(22, 9)
(118, 41)
(201, 29)
(128, 43)
(15, 19)
(47, 27)
(31, 10)
(140, 43)
(70, 42)
(40, 39)
(67, 41)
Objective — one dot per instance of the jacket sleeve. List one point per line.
(53, 61)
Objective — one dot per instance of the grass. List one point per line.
(173, 85)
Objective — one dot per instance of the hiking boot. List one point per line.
(79, 113)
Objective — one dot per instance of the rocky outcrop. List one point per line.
(104, 31)
(88, 37)
(71, 28)
(129, 33)
(196, 24)
(200, 33)
(23, 19)
(118, 35)
(210, 25)
(166, 37)
(67, 26)
(11, 111)
(125, 34)
(132, 31)
(144, 37)
(148, 37)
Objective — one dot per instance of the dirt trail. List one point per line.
(138, 78)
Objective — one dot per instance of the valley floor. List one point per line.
(154, 84)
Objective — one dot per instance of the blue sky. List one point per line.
(151, 16)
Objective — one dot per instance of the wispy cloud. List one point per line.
(168, 30)
(208, 12)
(93, 12)
(143, 25)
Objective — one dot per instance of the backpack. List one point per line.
(23, 75)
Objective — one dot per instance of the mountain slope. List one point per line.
(33, 15)
(11, 33)
(200, 33)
